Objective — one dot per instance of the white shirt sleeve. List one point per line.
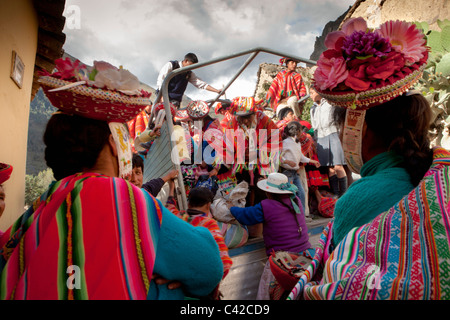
(197, 82)
(163, 73)
(304, 159)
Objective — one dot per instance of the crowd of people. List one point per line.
(101, 232)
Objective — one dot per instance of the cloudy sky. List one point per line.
(142, 35)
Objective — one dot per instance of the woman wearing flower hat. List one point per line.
(224, 110)
(287, 88)
(389, 235)
(93, 235)
(282, 216)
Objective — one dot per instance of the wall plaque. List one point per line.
(17, 69)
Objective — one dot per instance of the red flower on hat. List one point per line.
(363, 72)
(331, 70)
(66, 69)
(359, 59)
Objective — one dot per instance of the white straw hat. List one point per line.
(272, 182)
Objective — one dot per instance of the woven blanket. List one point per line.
(404, 253)
(284, 85)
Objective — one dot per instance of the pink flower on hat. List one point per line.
(334, 39)
(359, 59)
(331, 70)
(67, 70)
(404, 38)
(103, 65)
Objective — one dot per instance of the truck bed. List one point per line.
(242, 281)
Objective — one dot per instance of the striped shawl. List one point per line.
(404, 253)
(88, 237)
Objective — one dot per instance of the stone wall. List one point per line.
(379, 11)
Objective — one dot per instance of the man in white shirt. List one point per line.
(178, 84)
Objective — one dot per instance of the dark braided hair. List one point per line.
(292, 129)
(73, 143)
(402, 125)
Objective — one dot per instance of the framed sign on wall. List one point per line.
(17, 69)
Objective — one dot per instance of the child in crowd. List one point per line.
(292, 156)
(198, 214)
(153, 186)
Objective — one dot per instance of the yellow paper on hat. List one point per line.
(181, 149)
(122, 139)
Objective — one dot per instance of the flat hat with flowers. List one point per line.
(242, 106)
(102, 92)
(181, 115)
(160, 106)
(363, 68)
(197, 109)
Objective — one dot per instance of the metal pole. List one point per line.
(165, 94)
(245, 65)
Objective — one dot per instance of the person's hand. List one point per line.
(290, 163)
(171, 284)
(316, 163)
(171, 188)
(171, 175)
(213, 172)
(156, 131)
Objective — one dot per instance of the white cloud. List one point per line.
(142, 35)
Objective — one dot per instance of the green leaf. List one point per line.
(365, 57)
(93, 74)
(423, 25)
(443, 23)
(444, 65)
(434, 41)
(445, 38)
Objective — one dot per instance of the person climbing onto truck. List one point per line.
(178, 84)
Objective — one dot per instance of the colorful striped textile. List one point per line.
(266, 139)
(227, 182)
(404, 253)
(234, 234)
(226, 119)
(284, 85)
(137, 125)
(89, 236)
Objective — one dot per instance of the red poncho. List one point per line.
(286, 84)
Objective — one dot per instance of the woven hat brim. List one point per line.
(372, 97)
(94, 103)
